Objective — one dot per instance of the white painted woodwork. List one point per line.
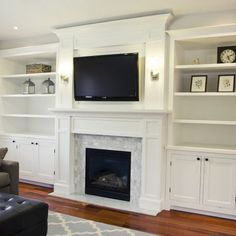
(26, 158)
(206, 67)
(64, 159)
(215, 94)
(219, 182)
(185, 177)
(34, 75)
(144, 119)
(106, 126)
(36, 161)
(205, 119)
(25, 117)
(150, 126)
(145, 35)
(206, 185)
(45, 157)
(12, 153)
(202, 124)
(26, 113)
(209, 122)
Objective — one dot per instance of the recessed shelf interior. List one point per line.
(204, 49)
(27, 105)
(28, 125)
(213, 135)
(15, 85)
(183, 80)
(205, 108)
(16, 64)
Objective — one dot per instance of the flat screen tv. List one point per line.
(106, 78)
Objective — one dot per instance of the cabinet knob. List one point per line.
(13, 141)
(198, 158)
(32, 142)
(206, 159)
(36, 144)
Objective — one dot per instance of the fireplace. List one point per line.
(108, 173)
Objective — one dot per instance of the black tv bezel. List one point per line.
(109, 98)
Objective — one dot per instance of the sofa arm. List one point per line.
(12, 168)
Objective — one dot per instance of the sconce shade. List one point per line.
(28, 87)
(48, 86)
(154, 76)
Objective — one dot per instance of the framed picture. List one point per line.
(226, 83)
(198, 83)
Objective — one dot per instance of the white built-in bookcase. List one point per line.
(201, 120)
(26, 114)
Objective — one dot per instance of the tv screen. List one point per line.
(106, 78)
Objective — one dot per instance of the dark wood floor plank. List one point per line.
(169, 223)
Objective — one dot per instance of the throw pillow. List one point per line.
(3, 152)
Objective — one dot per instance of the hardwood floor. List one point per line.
(172, 223)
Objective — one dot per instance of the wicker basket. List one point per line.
(37, 68)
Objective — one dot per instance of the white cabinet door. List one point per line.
(219, 182)
(45, 160)
(12, 146)
(27, 163)
(35, 157)
(185, 178)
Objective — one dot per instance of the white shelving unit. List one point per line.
(27, 127)
(26, 113)
(201, 163)
(210, 114)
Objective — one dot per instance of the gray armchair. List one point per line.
(9, 177)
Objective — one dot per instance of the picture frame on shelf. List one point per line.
(226, 83)
(198, 83)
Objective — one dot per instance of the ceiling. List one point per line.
(39, 17)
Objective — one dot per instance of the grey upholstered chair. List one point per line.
(9, 175)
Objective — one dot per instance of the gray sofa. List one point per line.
(9, 177)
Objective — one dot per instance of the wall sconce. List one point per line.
(65, 70)
(64, 78)
(153, 66)
(154, 75)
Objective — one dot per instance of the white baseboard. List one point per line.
(151, 204)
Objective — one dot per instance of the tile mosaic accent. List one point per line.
(133, 145)
(65, 225)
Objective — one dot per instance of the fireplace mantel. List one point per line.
(149, 125)
(145, 119)
(115, 112)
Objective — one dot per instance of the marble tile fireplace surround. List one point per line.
(129, 144)
(141, 132)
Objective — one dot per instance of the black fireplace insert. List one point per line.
(108, 173)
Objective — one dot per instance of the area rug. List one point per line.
(65, 225)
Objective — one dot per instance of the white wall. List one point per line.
(23, 42)
(178, 22)
(205, 19)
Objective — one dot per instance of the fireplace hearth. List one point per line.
(108, 173)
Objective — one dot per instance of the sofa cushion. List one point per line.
(3, 152)
(4, 179)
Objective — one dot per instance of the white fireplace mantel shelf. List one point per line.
(73, 111)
